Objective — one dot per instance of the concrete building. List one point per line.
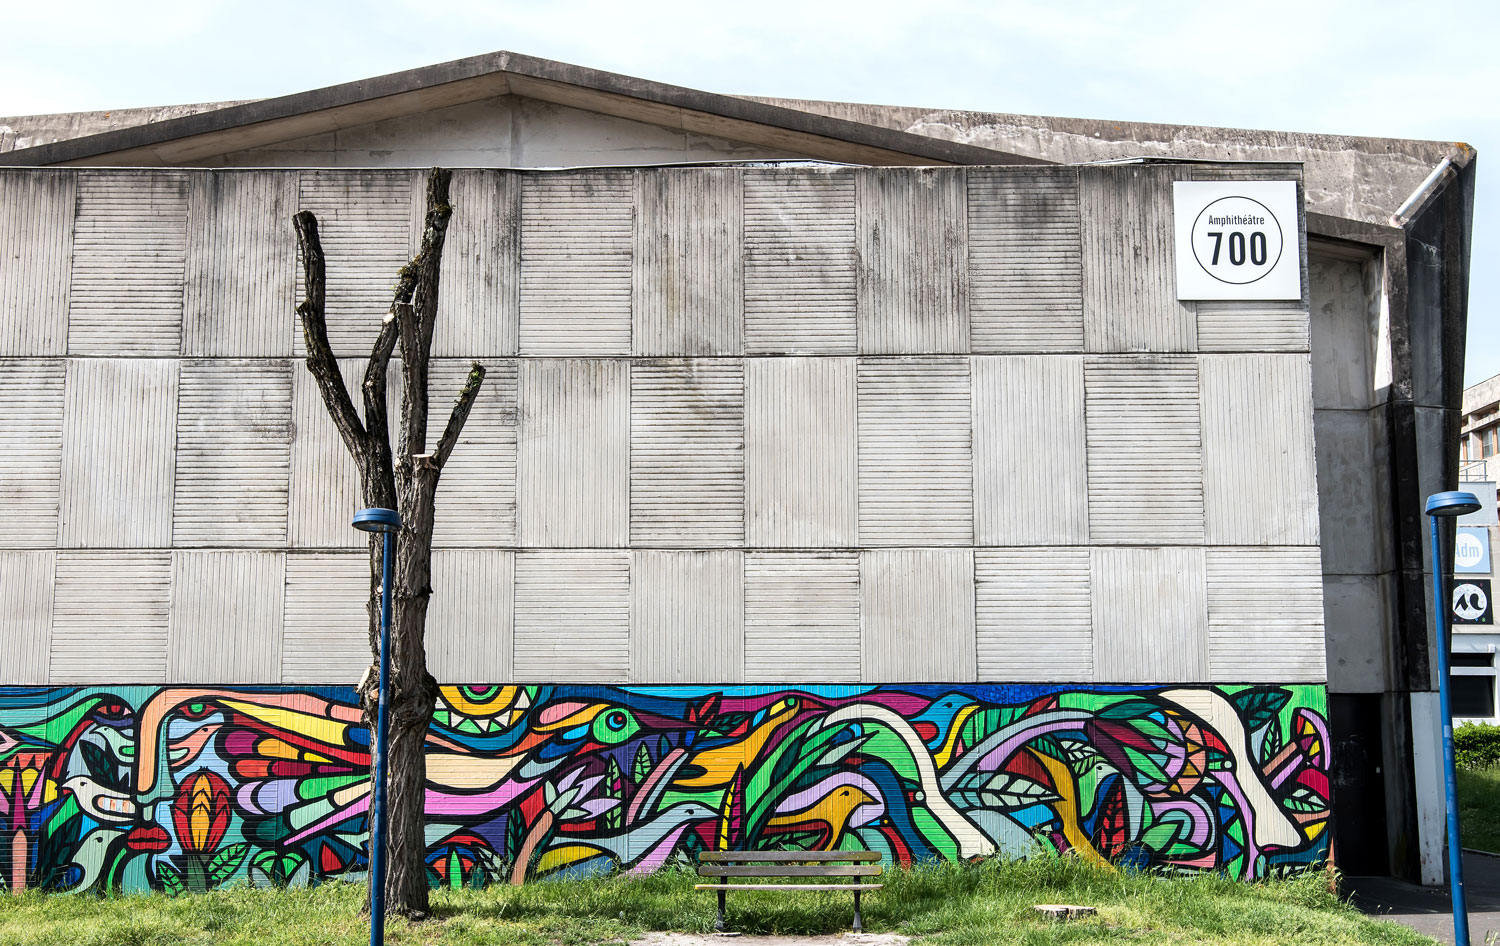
(1475, 644)
(868, 487)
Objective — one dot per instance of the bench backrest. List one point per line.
(789, 864)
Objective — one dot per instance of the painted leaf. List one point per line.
(170, 880)
(1271, 744)
(1260, 705)
(227, 862)
(642, 766)
(1158, 836)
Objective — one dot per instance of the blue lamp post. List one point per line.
(388, 522)
(1439, 506)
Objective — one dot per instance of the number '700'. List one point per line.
(1237, 247)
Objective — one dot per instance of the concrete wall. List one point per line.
(893, 424)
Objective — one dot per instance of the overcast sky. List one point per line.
(1364, 67)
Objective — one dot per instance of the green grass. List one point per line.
(946, 904)
(1479, 808)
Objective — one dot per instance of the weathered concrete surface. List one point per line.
(1428, 910)
(1360, 178)
(26, 131)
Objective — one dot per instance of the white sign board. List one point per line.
(1485, 491)
(1237, 240)
(1471, 550)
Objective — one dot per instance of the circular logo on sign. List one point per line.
(1237, 240)
(1470, 602)
(1469, 551)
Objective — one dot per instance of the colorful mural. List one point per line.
(187, 789)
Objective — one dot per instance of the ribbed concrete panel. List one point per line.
(573, 467)
(36, 243)
(129, 241)
(31, 402)
(119, 433)
(572, 617)
(1033, 614)
(687, 453)
(233, 453)
(476, 498)
(1144, 455)
(1265, 615)
(802, 458)
(109, 617)
(913, 262)
(802, 617)
(1025, 275)
(241, 265)
(325, 634)
(687, 617)
(480, 299)
(323, 491)
(915, 476)
(1150, 615)
(1129, 290)
(918, 615)
(1259, 470)
(469, 617)
(225, 625)
(26, 619)
(577, 236)
(1030, 465)
(688, 288)
(1252, 326)
(799, 262)
(366, 222)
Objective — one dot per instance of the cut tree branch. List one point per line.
(459, 415)
(416, 344)
(320, 360)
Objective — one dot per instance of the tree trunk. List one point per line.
(405, 479)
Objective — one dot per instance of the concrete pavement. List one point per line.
(1427, 909)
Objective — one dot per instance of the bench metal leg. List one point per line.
(719, 923)
(858, 925)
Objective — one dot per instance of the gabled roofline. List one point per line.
(238, 127)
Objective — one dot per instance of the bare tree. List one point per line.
(404, 479)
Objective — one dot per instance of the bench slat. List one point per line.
(755, 887)
(789, 870)
(783, 857)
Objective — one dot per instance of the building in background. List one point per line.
(900, 505)
(1475, 640)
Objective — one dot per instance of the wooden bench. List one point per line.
(786, 865)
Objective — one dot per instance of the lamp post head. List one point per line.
(388, 520)
(1454, 503)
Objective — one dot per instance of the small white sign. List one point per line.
(1237, 240)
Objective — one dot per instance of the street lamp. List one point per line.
(1446, 506)
(388, 522)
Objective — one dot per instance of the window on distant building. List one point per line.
(1473, 660)
(1487, 442)
(1473, 696)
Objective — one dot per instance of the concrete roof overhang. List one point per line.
(239, 127)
